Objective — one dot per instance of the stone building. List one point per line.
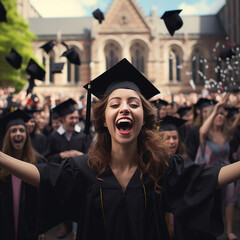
(178, 64)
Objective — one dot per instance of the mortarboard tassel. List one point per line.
(88, 113)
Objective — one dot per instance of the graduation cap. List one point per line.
(48, 46)
(14, 59)
(72, 56)
(183, 111)
(3, 13)
(172, 20)
(204, 102)
(122, 75)
(98, 15)
(232, 111)
(227, 53)
(170, 123)
(34, 70)
(57, 67)
(159, 103)
(18, 117)
(67, 107)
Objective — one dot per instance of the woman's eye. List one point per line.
(114, 105)
(133, 105)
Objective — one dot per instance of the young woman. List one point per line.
(18, 200)
(214, 150)
(126, 183)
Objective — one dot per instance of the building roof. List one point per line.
(67, 26)
(203, 25)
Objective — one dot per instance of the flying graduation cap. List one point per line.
(3, 13)
(48, 46)
(35, 72)
(14, 59)
(122, 75)
(71, 54)
(98, 15)
(172, 20)
(57, 67)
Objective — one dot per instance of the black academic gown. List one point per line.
(40, 143)
(104, 211)
(27, 222)
(192, 142)
(58, 143)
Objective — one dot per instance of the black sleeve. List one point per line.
(59, 193)
(192, 195)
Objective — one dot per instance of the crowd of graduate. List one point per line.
(206, 131)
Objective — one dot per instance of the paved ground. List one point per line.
(51, 235)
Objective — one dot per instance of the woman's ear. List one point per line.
(105, 124)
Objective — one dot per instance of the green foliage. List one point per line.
(15, 34)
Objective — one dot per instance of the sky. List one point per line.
(84, 8)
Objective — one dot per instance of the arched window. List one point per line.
(138, 56)
(174, 66)
(198, 67)
(112, 54)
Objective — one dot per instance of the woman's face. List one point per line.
(30, 125)
(188, 117)
(18, 136)
(219, 118)
(162, 112)
(172, 141)
(124, 116)
(205, 112)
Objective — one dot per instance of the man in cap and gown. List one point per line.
(66, 141)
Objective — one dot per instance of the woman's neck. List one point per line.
(217, 129)
(123, 157)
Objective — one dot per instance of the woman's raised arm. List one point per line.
(23, 170)
(228, 174)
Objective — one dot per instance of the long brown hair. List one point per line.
(152, 152)
(29, 155)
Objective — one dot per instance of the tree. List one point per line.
(15, 34)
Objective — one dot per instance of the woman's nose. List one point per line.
(124, 109)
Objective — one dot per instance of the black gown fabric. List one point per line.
(192, 142)
(40, 143)
(58, 143)
(103, 211)
(27, 222)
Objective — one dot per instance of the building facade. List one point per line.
(179, 64)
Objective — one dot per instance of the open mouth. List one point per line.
(17, 141)
(124, 125)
